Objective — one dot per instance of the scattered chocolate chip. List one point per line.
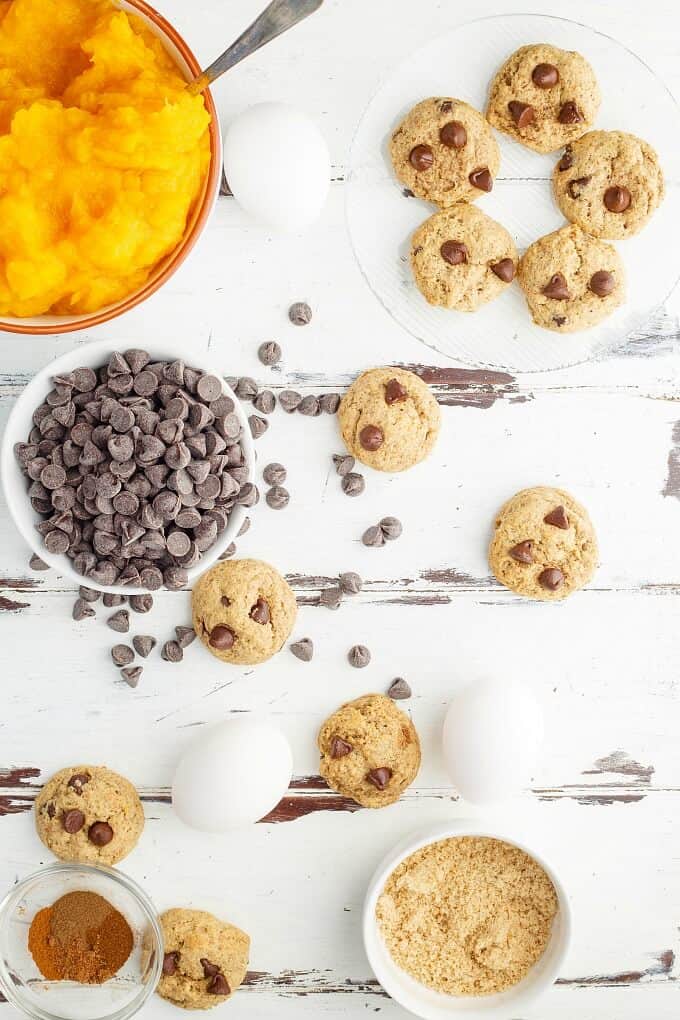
(371, 438)
(557, 518)
(110, 600)
(170, 963)
(556, 288)
(131, 675)
(309, 406)
(329, 402)
(289, 400)
(73, 821)
(453, 134)
(141, 603)
(391, 528)
(78, 781)
(265, 402)
(551, 578)
(344, 463)
(575, 187)
(522, 113)
(617, 199)
(89, 594)
(277, 498)
(260, 612)
(100, 833)
(122, 655)
(454, 252)
(567, 160)
(399, 690)
(144, 644)
(269, 353)
(602, 283)
(219, 985)
(545, 76)
(373, 536)
(481, 179)
(379, 777)
(421, 157)
(120, 621)
(359, 656)
(570, 113)
(274, 474)
(350, 583)
(172, 651)
(209, 969)
(222, 638)
(353, 484)
(330, 598)
(340, 748)
(523, 552)
(504, 270)
(303, 649)
(258, 426)
(300, 314)
(246, 388)
(185, 636)
(82, 610)
(35, 563)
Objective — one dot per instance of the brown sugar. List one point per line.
(468, 915)
(81, 937)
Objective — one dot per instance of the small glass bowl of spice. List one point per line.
(79, 943)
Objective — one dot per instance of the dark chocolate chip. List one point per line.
(576, 186)
(617, 198)
(522, 113)
(453, 135)
(209, 969)
(78, 781)
(219, 985)
(421, 157)
(143, 644)
(504, 270)
(481, 179)
(303, 649)
(556, 288)
(399, 690)
(545, 76)
(340, 748)
(523, 551)
(222, 638)
(300, 314)
(557, 518)
(602, 283)
(570, 113)
(73, 821)
(454, 252)
(379, 777)
(131, 675)
(551, 578)
(567, 160)
(260, 612)
(172, 652)
(371, 438)
(100, 833)
(394, 393)
(170, 963)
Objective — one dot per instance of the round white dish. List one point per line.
(381, 219)
(19, 425)
(429, 1004)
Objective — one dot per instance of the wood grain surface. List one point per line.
(604, 802)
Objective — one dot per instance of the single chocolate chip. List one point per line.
(454, 252)
(522, 113)
(340, 748)
(35, 563)
(344, 463)
(208, 388)
(172, 652)
(81, 610)
(120, 621)
(576, 186)
(371, 438)
(330, 598)
(73, 821)
(265, 402)
(617, 199)
(421, 157)
(78, 781)
(545, 76)
(269, 353)
(453, 135)
(175, 578)
(277, 498)
(570, 113)
(300, 314)
(209, 969)
(373, 536)
(219, 985)
(57, 542)
(51, 810)
(303, 649)
(260, 612)
(185, 636)
(557, 518)
(559, 320)
(141, 603)
(350, 583)
(551, 578)
(274, 474)
(481, 179)
(222, 638)
(330, 402)
(567, 160)
(100, 833)
(602, 283)
(399, 690)
(122, 655)
(359, 656)
(110, 601)
(556, 288)
(309, 406)
(89, 594)
(289, 400)
(144, 644)
(353, 484)
(504, 270)
(391, 528)
(523, 552)
(379, 777)
(258, 426)
(394, 391)
(131, 675)
(170, 963)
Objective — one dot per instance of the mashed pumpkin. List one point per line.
(103, 154)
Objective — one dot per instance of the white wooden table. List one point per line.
(605, 799)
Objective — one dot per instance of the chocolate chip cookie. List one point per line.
(461, 258)
(445, 152)
(544, 544)
(90, 814)
(571, 280)
(369, 751)
(205, 959)
(544, 97)
(609, 183)
(243, 611)
(389, 419)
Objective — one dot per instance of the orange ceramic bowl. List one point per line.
(190, 67)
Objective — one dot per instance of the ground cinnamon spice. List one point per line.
(81, 937)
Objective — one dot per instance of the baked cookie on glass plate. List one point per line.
(544, 97)
(609, 183)
(444, 151)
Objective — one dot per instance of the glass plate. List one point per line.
(381, 218)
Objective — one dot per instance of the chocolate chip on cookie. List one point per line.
(523, 552)
(481, 179)
(394, 392)
(222, 638)
(453, 134)
(339, 748)
(421, 157)
(522, 113)
(602, 283)
(504, 270)
(371, 438)
(556, 288)
(454, 252)
(557, 518)
(260, 612)
(551, 578)
(73, 821)
(570, 113)
(617, 199)
(545, 76)
(379, 777)
(100, 833)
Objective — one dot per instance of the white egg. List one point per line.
(492, 736)
(278, 166)
(232, 775)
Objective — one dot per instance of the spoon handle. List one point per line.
(278, 17)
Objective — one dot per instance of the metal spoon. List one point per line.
(278, 17)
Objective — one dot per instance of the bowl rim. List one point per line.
(450, 830)
(97, 354)
(142, 899)
(203, 207)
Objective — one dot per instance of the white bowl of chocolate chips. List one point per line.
(127, 470)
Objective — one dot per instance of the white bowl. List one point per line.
(432, 1005)
(19, 425)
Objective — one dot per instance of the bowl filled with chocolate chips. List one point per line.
(128, 470)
